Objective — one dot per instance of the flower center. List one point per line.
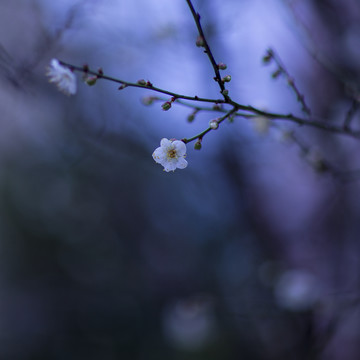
(172, 153)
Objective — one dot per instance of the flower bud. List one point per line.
(122, 86)
(191, 118)
(141, 82)
(166, 106)
(226, 78)
(214, 124)
(268, 57)
(225, 92)
(197, 145)
(276, 73)
(91, 80)
(222, 66)
(200, 41)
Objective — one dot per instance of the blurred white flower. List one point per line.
(297, 290)
(261, 124)
(189, 324)
(171, 154)
(62, 76)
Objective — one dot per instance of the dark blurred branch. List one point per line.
(350, 114)
(323, 60)
(281, 70)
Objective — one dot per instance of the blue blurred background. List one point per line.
(251, 252)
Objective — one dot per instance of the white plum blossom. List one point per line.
(171, 154)
(62, 76)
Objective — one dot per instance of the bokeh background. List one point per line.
(251, 252)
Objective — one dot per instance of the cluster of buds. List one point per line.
(91, 79)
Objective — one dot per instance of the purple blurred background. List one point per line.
(251, 252)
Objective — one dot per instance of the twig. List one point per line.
(290, 80)
(301, 121)
(201, 135)
(149, 86)
(208, 51)
(236, 106)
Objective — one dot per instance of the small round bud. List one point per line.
(222, 66)
(197, 145)
(141, 82)
(276, 73)
(200, 41)
(166, 105)
(226, 78)
(191, 118)
(122, 86)
(216, 107)
(214, 124)
(268, 57)
(225, 92)
(90, 80)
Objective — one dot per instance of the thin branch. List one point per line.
(215, 108)
(324, 61)
(149, 86)
(208, 51)
(301, 121)
(201, 135)
(271, 54)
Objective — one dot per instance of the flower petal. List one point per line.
(182, 163)
(165, 143)
(62, 76)
(159, 155)
(169, 165)
(180, 147)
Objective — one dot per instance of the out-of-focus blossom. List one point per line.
(62, 76)
(189, 324)
(261, 124)
(297, 290)
(171, 154)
